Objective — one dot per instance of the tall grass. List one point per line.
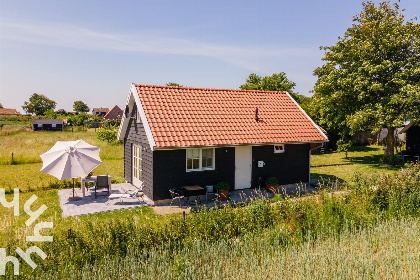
(385, 251)
(292, 222)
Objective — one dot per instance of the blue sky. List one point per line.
(93, 50)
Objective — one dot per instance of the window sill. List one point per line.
(199, 170)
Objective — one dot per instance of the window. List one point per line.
(207, 158)
(53, 125)
(278, 149)
(138, 117)
(40, 125)
(137, 164)
(200, 159)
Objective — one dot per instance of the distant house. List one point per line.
(61, 111)
(412, 134)
(180, 136)
(114, 114)
(47, 125)
(8, 112)
(100, 112)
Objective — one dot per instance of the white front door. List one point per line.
(243, 167)
(137, 166)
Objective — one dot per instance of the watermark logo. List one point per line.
(37, 237)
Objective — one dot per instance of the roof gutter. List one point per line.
(238, 145)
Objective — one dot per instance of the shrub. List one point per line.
(393, 160)
(223, 186)
(272, 181)
(345, 146)
(108, 132)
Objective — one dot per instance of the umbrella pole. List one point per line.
(74, 197)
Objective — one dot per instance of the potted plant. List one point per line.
(271, 184)
(223, 188)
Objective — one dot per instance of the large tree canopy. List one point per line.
(371, 77)
(275, 82)
(38, 104)
(80, 106)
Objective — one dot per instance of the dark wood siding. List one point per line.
(136, 134)
(48, 127)
(289, 167)
(413, 140)
(169, 171)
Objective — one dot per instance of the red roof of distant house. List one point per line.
(8, 112)
(114, 114)
(182, 116)
(100, 109)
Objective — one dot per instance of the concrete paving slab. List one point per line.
(89, 204)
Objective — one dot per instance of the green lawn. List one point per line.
(27, 146)
(364, 160)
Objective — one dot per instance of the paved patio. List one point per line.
(89, 205)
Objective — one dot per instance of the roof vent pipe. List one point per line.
(256, 115)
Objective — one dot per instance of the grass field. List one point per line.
(27, 146)
(385, 251)
(364, 160)
(365, 233)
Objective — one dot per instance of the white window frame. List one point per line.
(40, 125)
(53, 125)
(279, 149)
(200, 160)
(137, 171)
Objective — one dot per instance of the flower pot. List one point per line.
(271, 188)
(223, 195)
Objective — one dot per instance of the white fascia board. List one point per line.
(404, 130)
(309, 118)
(124, 121)
(143, 117)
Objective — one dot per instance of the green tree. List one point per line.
(174, 85)
(38, 104)
(79, 106)
(275, 82)
(1, 106)
(371, 77)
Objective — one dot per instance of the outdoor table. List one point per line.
(92, 179)
(193, 191)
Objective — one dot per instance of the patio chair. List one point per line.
(176, 194)
(131, 194)
(210, 190)
(101, 183)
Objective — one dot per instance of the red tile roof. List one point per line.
(100, 109)
(182, 116)
(114, 114)
(8, 112)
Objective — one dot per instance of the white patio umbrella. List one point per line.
(70, 159)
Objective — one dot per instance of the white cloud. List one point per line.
(72, 36)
